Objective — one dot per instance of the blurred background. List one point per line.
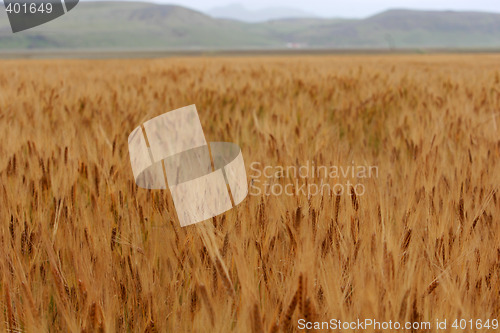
(243, 25)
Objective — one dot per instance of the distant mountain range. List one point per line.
(239, 12)
(146, 26)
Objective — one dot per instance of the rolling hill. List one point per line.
(143, 26)
(239, 12)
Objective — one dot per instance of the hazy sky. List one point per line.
(346, 8)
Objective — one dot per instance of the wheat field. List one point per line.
(83, 249)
